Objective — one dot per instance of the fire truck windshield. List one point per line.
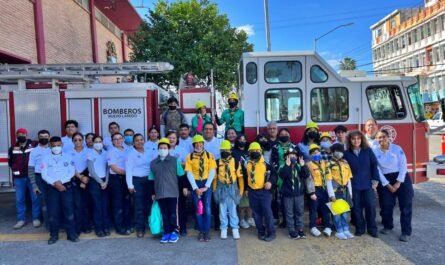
(416, 102)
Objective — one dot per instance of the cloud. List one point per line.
(248, 29)
(334, 62)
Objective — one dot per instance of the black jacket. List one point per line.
(299, 176)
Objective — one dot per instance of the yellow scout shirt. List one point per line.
(340, 172)
(226, 177)
(320, 172)
(194, 162)
(256, 174)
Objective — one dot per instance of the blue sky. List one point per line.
(295, 23)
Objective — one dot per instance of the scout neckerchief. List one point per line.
(227, 173)
(323, 179)
(252, 173)
(341, 175)
(232, 116)
(295, 177)
(201, 165)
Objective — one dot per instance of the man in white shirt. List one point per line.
(71, 127)
(185, 141)
(113, 127)
(58, 171)
(211, 143)
(371, 129)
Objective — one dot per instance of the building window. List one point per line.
(396, 45)
(393, 22)
(428, 29)
(415, 35)
(283, 105)
(409, 39)
(283, 72)
(402, 41)
(329, 104)
(422, 32)
(251, 73)
(385, 102)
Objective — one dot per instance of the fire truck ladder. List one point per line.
(22, 73)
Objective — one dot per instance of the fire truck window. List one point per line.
(283, 105)
(416, 102)
(318, 75)
(329, 104)
(251, 73)
(386, 102)
(282, 72)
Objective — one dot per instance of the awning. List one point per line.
(121, 13)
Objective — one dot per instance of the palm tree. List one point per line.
(348, 64)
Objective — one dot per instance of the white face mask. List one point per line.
(98, 146)
(163, 152)
(57, 150)
(337, 155)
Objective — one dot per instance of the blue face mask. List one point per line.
(128, 139)
(325, 145)
(316, 157)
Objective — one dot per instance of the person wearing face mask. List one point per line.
(99, 172)
(35, 173)
(233, 117)
(57, 172)
(128, 140)
(311, 136)
(137, 169)
(261, 179)
(325, 145)
(18, 162)
(200, 167)
(166, 173)
(228, 187)
(172, 118)
(319, 172)
(265, 146)
(200, 118)
(338, 184)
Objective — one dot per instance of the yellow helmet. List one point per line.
(254, 146)
(198, 139)
(325, 134)
(164, 141)
(313, 147)
(225, 145)
(200, 104)
(340, 206)
(311, 125)
(233, 96)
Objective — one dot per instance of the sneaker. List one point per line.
(270, 238)
(207, 237)
(244, 224)
(36, 223)
(201, 237)
(374, 235)
(73, 238)
(404, 238)
(165, 238)
(19, 225)
(293, 235)
(52, 240)
(262, 237)
(235, 233)
(173, 238)
(301, 234)
(107, 232)
(251, 222)
(385, 231)
(224, 233)
(348, 234)
(327, 231)
(341, 236)
(315, 232)
(100, 234)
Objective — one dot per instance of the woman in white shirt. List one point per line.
(137, 165)
(98, 169)
(153, 138)
(395, 184)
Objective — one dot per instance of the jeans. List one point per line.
(169, 211)
(341, 220)
(388, 201)
(228, 205)
(100, 205)
(294, 207)
(203, 220)
(364, 199)
(116, 190)
(142, 202)
(81, 214)
(41, 184)
(21, 186)
(61, 201)
(260, 201)
(319, 203)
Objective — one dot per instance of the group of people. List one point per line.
(84, 182)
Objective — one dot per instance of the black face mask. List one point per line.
(43, 141)
(225, 154)
(265, 145)
(242, 144)
(233, 104)
(283, 138)
(172, 107)
(21, 139)
(255, 155)
(312, 135)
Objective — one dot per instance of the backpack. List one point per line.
(165, 116)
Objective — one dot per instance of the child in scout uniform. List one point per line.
(325, 144)
(260, 179)
(228, 186)
(57, 172)
(200, 167)
(296, 179)
(320, 172)
(339, 187)
(165, 172)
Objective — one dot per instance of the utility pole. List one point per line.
(266, 17)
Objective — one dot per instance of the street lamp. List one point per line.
(332, 30)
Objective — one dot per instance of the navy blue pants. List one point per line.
(142, 202)
(100, 197)
(260, 202)
(319, 204)
(57, 202)
(387, 200)
(81, 214)
(182, 212)
(116, 190)
(364, 200)
(41, 184)
(169, 211)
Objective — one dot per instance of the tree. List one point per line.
(348, 64)
(192, 36)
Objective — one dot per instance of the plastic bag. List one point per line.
(155, 219)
